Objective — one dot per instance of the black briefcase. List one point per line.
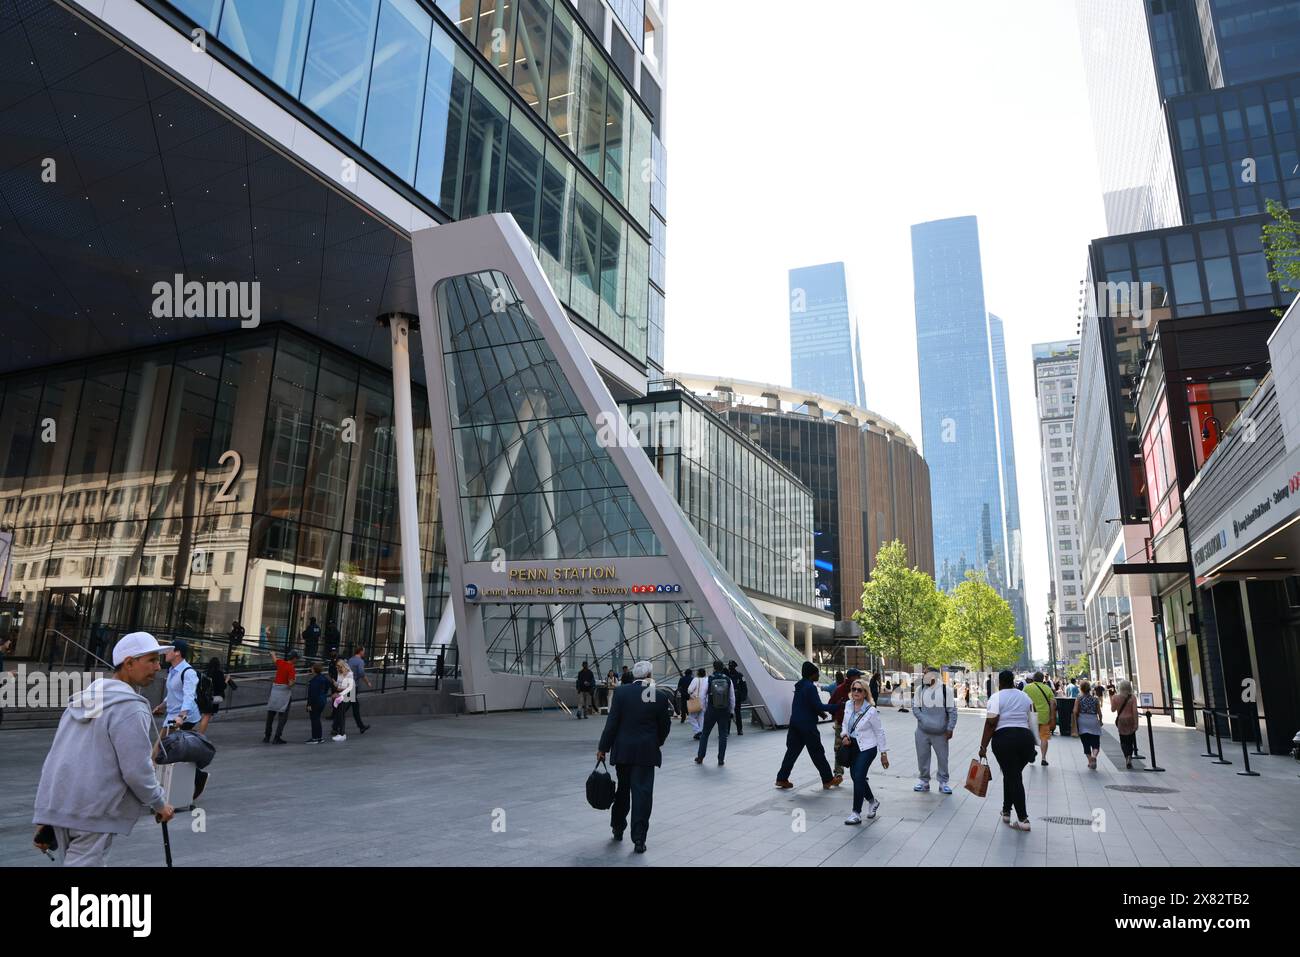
(600, 788)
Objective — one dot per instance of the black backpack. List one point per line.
(203, 693)
(600, 788)
(720, 692)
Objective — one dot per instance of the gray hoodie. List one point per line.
(935, 708)
(99, 774)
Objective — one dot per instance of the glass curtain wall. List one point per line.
(388, 76)
(247, 478)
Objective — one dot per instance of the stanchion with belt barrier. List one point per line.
(1245, 754)
(1151, 745)
(1217, 739)
(1259, 740)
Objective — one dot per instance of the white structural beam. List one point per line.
(399, 335)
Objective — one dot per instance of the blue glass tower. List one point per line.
(824, 354)
(958, 415)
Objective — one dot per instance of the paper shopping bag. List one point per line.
(978, 777)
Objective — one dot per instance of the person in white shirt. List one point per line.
(1011, 715)
(345, 689)
(698, 691)
(862, 730)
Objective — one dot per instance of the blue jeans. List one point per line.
(861, 789)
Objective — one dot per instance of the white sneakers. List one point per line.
(853, 818)
(339, 737)
(1020, 825)
(872, 808)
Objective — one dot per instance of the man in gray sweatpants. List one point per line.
(935, 710)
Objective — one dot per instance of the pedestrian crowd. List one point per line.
(1021, 717)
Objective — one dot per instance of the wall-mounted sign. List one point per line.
(1146, 699)
(1268, 503)
(643, 578)
(471, 592)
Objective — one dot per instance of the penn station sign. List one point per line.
(567, 581)
(1266, 505)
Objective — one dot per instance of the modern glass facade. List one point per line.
(1236, 148)
(1128, 122)
(824, 352)
(534, 480)
(248, 477)
(483, 106)
(1013, 571)
(754, 515)
(958, 415)
(1255, 39)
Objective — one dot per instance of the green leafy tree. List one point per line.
(1080, 667)
(349, 586)
(980, 628)
(902, 611)
(1282, 247)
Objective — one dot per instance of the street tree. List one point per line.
(1282, 247)
(980, 628)
(902, 612)
(1079, 668)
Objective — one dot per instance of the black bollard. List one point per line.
(1245, 755)
(1151, 745)
(1218, 740)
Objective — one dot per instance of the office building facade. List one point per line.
(1013, 589)
(1056, 369)
(211, 301)
(1159, 365)
(825, 353)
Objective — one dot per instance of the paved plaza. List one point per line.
(508, 789)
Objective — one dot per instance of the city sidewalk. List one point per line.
(508, 789)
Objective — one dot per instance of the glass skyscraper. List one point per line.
(824, 353)
(1013, 569)
(959, 425)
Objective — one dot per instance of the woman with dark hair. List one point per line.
(873, 687)
(218, 677)
(1011, 715)
(1087, 721)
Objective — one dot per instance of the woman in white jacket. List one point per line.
(862, 728)
(698, 691)
(344, 685)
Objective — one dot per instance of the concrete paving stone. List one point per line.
(433, 786)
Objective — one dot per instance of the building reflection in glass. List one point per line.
(248, 478)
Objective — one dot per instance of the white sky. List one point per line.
(813, 132)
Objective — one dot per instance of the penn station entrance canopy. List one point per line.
(563, 543)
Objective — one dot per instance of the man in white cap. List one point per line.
(99, 774)
(640, 717)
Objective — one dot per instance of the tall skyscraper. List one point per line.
(1133, 153)
(1013, 570)
(1056, 370)
(958, 412)
(824, 353)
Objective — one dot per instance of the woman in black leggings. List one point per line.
(1007, 726)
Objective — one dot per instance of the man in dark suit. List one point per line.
(640, 717)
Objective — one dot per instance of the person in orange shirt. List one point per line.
(277, 706)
